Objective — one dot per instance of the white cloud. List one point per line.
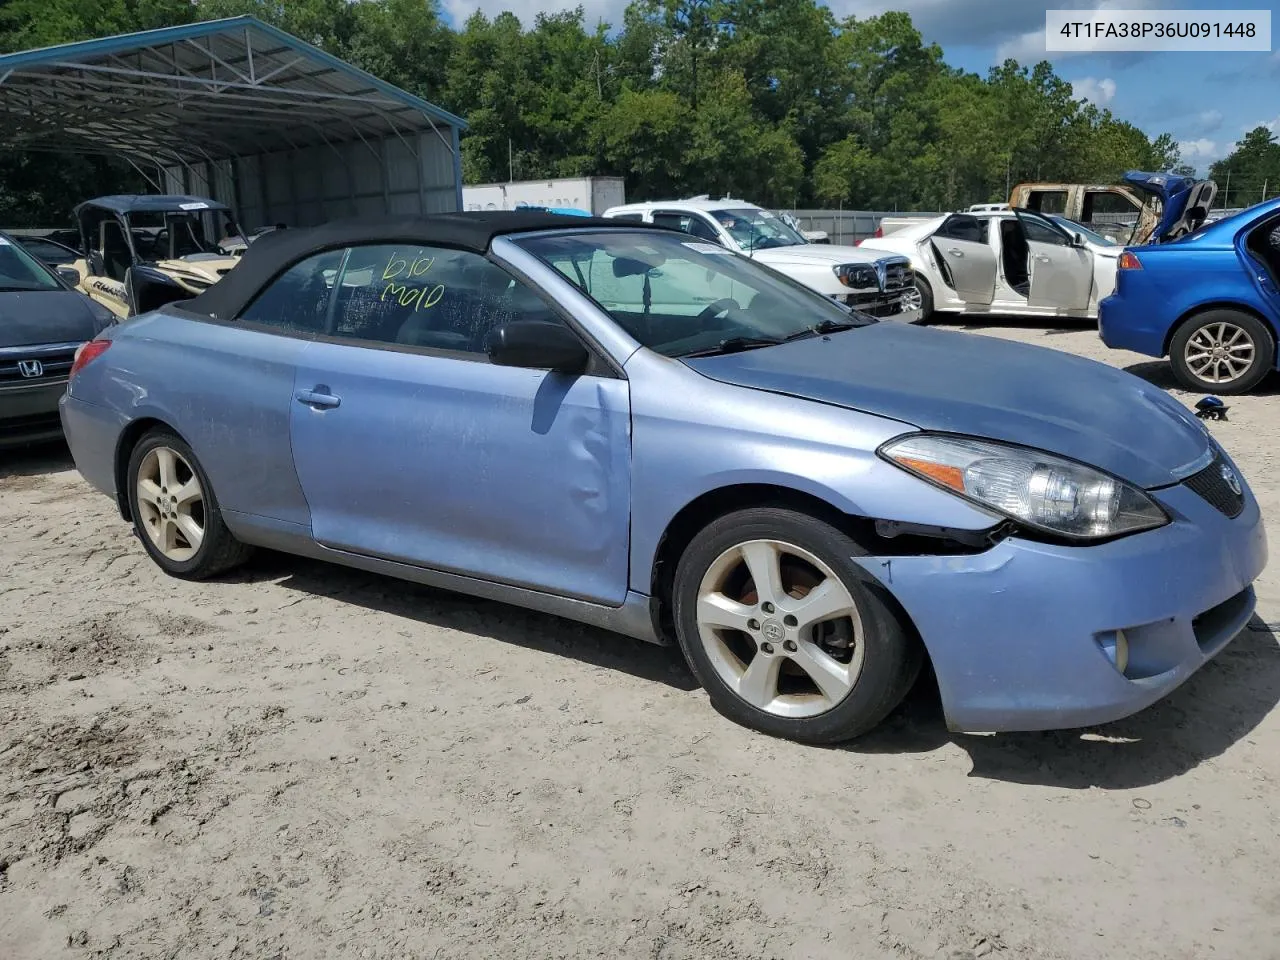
(1201, 153)
(1098, 92)
(1029, 47)
(1195, 149)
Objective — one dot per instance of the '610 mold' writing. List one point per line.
(421, 296)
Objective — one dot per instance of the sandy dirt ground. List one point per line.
(306, 762)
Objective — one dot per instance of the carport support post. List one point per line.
(385, 164)
(457, 167)
(237, 205)
(420, 160)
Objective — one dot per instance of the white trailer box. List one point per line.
(593, 194)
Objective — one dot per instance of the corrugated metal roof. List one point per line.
(202, 91)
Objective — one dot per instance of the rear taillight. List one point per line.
(1129, 261)
(879, 232)
(87, 352)
(857, 243)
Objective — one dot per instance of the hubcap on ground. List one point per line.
(171, 503)
(780, 628)
(1219, 352)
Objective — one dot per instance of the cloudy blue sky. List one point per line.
(1206, 100)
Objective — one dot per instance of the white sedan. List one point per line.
(1013, 262)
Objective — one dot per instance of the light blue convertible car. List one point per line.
(627, 426)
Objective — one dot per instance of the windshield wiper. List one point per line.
(823, 327)
(736, 345)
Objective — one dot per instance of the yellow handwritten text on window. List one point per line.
(397, 267)
(422, 298)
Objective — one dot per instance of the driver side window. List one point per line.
(962, 226)
(1038, 231)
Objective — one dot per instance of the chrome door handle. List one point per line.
(955, 252)
(318, 398)
(1043, 259)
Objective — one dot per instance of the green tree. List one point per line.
(404, 42)
(643, 136)
(776, 101)
(1252, 169)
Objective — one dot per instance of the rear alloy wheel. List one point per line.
(174, 511)
(1222, 351)
(170, 504)
(788, 635)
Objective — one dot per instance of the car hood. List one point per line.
(1179, 197)
(985, 387)
(818, 253)
(47, 316)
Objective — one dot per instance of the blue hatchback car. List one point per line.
(629, 427)
(1209, 301)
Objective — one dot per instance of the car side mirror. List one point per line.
(538, 345)
(70, 274)
(1077, 239)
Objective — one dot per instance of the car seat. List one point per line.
(116, 256)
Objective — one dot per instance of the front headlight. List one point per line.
(1050, 493)
(857, 275)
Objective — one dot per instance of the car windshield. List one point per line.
(1096, 238)
(754, 229)
(181, 233)
(681, 296)
(19, 271)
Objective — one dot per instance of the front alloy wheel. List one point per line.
(780, 628)
(786, 632)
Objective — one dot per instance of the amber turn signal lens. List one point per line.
(1130, 261)
(942, 473)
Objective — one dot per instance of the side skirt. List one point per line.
(632, 618)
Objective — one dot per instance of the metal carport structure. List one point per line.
(242, 112)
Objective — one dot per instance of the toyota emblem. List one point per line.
(31, 368)
(1233, 481)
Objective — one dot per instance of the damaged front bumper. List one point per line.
(902, 305)
(1023, 636)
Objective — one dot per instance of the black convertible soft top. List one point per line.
(274, 252)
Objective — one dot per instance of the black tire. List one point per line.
(1264, 351)
(219, 551)
(926, 299)
(892, 653)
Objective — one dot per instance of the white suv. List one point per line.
(881, 284)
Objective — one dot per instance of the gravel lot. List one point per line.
(308, 762)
